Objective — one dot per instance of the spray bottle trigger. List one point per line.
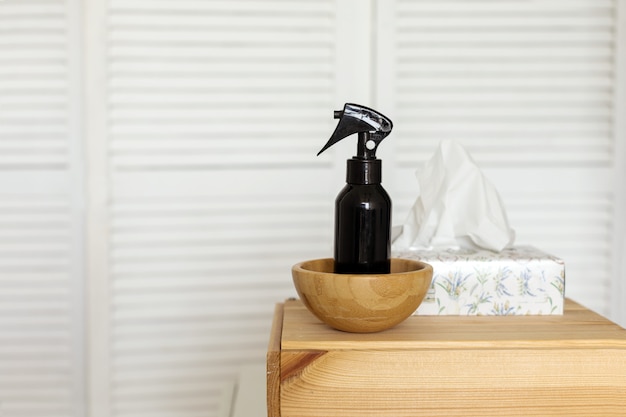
(355, 118)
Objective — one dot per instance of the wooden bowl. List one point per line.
(362, 303)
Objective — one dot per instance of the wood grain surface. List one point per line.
(569, 365)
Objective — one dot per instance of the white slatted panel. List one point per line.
(200, 84)
(509, 78)
(36, 345)
(41, 335)
(578, 227)
(194, 282)
(524, 86)
(33, 103)
(214, 110)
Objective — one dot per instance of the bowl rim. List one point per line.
(422, 267)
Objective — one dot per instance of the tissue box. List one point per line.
(517, 281)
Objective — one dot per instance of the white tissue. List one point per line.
(457, 207)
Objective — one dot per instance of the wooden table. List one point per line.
(569, 365)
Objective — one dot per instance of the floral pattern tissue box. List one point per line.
(517, 281)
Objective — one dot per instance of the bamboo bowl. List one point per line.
(362, 303)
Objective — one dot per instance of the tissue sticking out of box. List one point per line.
(457, 206)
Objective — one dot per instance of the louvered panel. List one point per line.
(208, 101)
(205, 85)
(528, 89)
(37, 355)
(187, 254)
(505, 79)
(194, 282)
(579, 229)
(33, 85)
(41, 349)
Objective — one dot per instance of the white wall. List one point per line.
(158, 175)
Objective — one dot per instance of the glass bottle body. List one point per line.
(362, 230)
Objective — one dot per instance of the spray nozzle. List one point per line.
(371, 126)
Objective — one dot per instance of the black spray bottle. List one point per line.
(363, 207)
